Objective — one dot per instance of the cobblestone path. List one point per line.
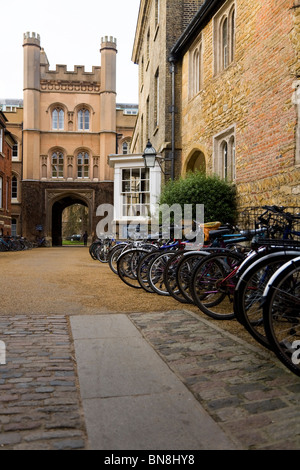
(251, 395)
(39, 399)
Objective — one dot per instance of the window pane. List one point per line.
(80, 120)
(225, 43)
(54, 119)
(15, 151)
(14, 188)
(86, 120)
(126, 175)
(61, 119)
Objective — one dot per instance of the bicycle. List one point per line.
(281, 314)
(251, 284)
(213, 283)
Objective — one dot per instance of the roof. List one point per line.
(204, 14)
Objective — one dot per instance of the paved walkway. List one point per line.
(168, 380)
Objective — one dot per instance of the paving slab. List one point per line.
(131, 398)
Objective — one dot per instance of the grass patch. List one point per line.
(69, 242)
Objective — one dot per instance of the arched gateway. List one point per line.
(56, 215)
(70, 128)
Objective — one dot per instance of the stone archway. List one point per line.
(196, 162)
(59, 203)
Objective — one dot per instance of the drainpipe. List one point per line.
(172, 71)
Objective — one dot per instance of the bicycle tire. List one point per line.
(113, 256)
(103, 251)
(156, 273)
(127, 264)
(184, 272)
(281, 313)
(142, 270)
(210, 285)
(170, 276)
(249, 291)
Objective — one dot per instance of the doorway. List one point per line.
(69, 214)
(196, 162)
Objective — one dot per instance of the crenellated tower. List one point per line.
(107, 104)
(32, 94)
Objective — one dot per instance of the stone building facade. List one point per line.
(71, 124)
(239, 99)
(160, 23)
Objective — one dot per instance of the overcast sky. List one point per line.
(71, 32)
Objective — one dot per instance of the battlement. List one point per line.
(32, 38)
(77, 75)
(110, 39)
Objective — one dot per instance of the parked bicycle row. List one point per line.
(14, 244)
(252, 276)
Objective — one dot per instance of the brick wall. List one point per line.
(254, 94)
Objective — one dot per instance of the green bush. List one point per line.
(218, 196)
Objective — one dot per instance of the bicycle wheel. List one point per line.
(184, 272)
(170, 276)
(249, 291)
(281, 314)
(94, 247)
(142, 270)
(213, 283)
(113, 256)
(156, 272)
(127, 266)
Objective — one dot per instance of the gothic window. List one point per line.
(195, 70)
(83, 120)
(83, 165)
(58, 117)
(224, 36)
(57, 165)
(225, 52)
(224, 154)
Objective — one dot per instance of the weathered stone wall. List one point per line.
(254, 94)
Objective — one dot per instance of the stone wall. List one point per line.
(254, 96)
